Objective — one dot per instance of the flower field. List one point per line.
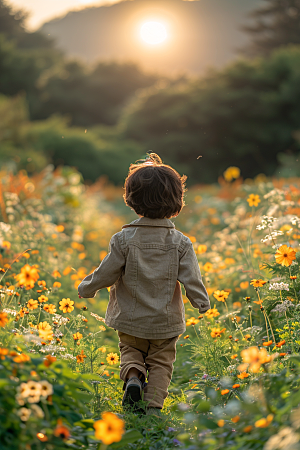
(236, 377)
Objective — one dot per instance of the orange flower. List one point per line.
(211, 313)
(253, 200)
(28, 276)
(187, 336)
(267, 344)
(43, 298)
(66, 305)
(224, 391)
(264, 422)
(50, 308)
(255, 358)
(110, 429)
(285, 255)
(233, 356)
(221, 296)
(21, 358)
(257, 283)
(80, 358)
(56, 274)
(192, 321)
(247, 429)
(243, 375)
(235, 386)
(201, 249)
(77, 336)
(3, 319)
(221, 423)
(208, 267)
(236, 419)
(49, 360)
(32, 304)
(244, 284)
(3, 353)
(56, 284)
(280, 344)
(61, 430)
(216, 332)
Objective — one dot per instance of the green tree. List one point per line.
(274, 25)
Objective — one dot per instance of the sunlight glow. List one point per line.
(153, 33)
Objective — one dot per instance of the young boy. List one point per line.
(146, 263)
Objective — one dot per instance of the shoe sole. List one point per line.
(132, 395)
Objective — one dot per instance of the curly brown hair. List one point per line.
(153, 189)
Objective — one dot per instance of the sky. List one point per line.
(43, 10)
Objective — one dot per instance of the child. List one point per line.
(146, 263)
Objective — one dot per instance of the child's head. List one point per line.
(153, 189)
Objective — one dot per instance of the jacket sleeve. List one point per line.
(107, 273)
(189, 275)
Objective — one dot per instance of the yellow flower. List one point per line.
(3, 319)
(50, 308)
(44, 326)
(59, 228)
(6, 244)
(243, 375)
(43, 298)
(28, 276)
(102, 349)
(110, 429)
(257, 283)
(208, 267)
(211, 313)
(221, 295)
(32, 304)
(216, 332)
(192, 321)
(264, 422)
(255, 358)
(285, 255)
(46, 334)
(253, 200)
(80, 358)
(77, 336)
(201, 249)
(66, 305)
(231, 173)
(112, 358)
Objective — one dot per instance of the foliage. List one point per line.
(276, 24)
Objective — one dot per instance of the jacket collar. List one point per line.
(145, 221)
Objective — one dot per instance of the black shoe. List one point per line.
(132, 394)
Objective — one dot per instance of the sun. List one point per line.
(153, 33)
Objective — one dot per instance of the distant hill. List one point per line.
(202, 33)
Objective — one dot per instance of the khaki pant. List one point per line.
(153, 355)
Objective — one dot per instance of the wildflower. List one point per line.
(243, 375)
(59, 228)
(247, 429)
(61, 430)
(221, 423)
(99, 318)
(280, 344)
(216, 332)
(293, 277)
(201, 249)
(224, 391)
(3, 319)
(46, 388)
(3, 352)
(46, 334)
(192, 321)
(28, 276)
(208, 267)
(279, 287)
(50, 308)
(43, 299)
(42, 437)
(234, 356)
(253, 200)
(221, 296)
(285, 255)
(110, 429)
(187, 336)
(102, 349)
(211, 313)
(24, 414)
(235, 386)
(21, 358)
(267, 344)
(66, 305)
(77, 336)
(247, 336)
(56, 274)
(264, 422)
(102, 328)
(44, 326)
(231, 173)
(80, 358)
(235, 419)
(112, 358)
(283, 307)
(257, 283)
(255, 358)
(49, 360)
(244, 284)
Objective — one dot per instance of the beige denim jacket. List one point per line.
(145, 264)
